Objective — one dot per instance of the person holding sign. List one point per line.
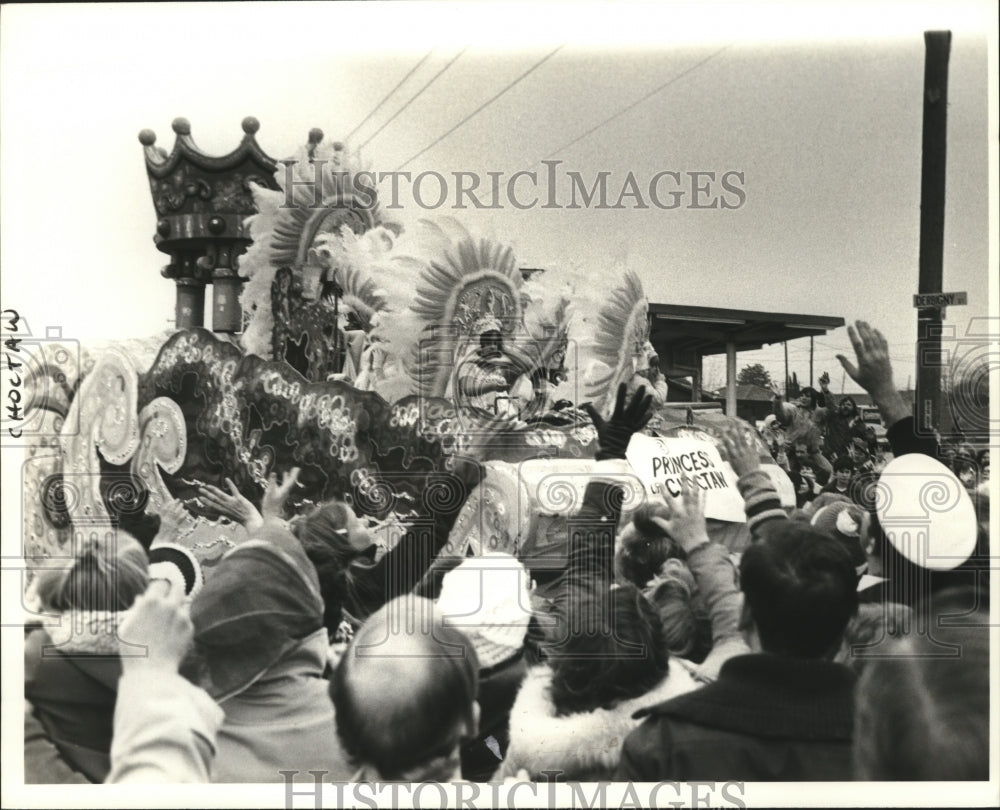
(784, 712)
(682, 519)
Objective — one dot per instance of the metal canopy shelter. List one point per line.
(682, 336)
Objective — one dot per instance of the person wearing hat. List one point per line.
(489, 600)
(260, 651)
(845, 522)
(253, 699)
(71, 662)
(260, 647)
(484, 378)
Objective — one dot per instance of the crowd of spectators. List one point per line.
(655, 654)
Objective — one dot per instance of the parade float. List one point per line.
(341, 344)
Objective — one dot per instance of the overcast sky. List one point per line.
(819, 106)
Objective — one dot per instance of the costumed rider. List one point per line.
(484, 377)
(650, 376)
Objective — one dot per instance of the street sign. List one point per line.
(933, 300)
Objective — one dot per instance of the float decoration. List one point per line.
(246, 417)
(621, 342)
(311, 300)
(201, 203)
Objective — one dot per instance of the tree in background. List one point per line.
(792, 387)
(754, 375)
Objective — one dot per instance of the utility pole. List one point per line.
(932, 189)
(810, 361)
(786, 369)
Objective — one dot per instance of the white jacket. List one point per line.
(583, 746)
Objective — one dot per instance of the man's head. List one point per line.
(405, 693)
(801, 590)
(848, 407)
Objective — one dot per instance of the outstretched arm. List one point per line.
(400, 570)
(783, 411)
(873, 372)
(164, 726)
(709, 563)
(760, 499)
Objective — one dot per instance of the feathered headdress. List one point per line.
(460, 282)
(621, 335)
(289, 224)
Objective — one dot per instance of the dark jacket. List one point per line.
(841, 431)
(766, 719)
(903, 439)
(401, 569)
(498, 687)
(72, 684)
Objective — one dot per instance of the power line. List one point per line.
(389, 95)
(636, 103)
(434, 78)
(481, 107)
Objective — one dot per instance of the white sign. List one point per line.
(661, 463)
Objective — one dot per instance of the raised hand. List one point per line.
(172, 518)
(614, 434)
(685, 519)
(739, 450)
(275, 496)
(160, 622)
(873, 371)
(232, 505)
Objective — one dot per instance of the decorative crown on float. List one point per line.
(201, 204)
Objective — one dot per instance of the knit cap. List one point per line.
(489, 600)
(178, 566)
(843, 521)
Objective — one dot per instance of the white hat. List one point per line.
(489, 600)
(926, 512)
